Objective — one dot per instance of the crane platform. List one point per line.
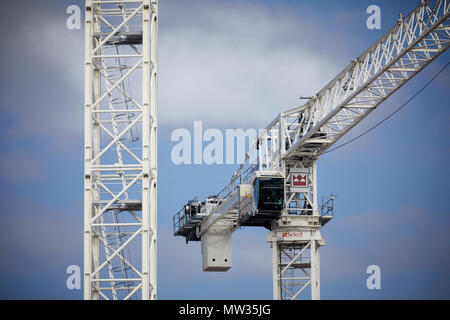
(194, 213)
(121, 205)
(186, 220)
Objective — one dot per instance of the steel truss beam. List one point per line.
(370, 79)
(120, 149)
(296, 267)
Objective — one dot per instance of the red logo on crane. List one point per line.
(299, 180)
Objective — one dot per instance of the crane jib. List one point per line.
(417, 55)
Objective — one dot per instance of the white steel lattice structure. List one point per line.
(289, 147)
(389, 63)
(120, 176)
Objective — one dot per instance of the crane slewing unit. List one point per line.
(276, 187)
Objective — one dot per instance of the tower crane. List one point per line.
(276, 187)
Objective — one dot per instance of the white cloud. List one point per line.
(240, 64)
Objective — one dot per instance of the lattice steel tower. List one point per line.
(120, 158)
(277, 186)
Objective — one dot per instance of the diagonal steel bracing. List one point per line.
(120, 150)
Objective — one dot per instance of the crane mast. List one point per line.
(120, 168)
(276, 187)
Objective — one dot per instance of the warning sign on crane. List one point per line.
(299, 180)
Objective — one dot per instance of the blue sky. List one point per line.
(235, 64)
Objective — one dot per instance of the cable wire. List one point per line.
(389, 116)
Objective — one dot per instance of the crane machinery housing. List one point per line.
(278, 188)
